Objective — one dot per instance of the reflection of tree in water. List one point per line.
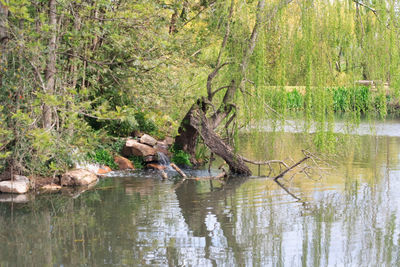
(196, 209)
(353, 220)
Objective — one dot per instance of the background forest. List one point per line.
(75, 76)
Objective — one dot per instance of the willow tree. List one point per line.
(207, 113)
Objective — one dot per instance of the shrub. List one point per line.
(103, 157)
(295, 100)
(137, 162)
(180, 158)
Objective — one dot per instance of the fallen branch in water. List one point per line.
(176, 168)
(267, 163)
(291, 168)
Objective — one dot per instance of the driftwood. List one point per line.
(291, 168)
(176, 168)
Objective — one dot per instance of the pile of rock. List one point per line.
(87, 174)
(147, 147)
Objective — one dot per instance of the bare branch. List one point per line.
(219, 89)
(178, 170)
(211, 76)
(265, 162)
(366, 6)
(218, 65)
(290, 168)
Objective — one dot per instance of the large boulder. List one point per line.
(148, 140)
(17, 187)
(78, 177)
(123, 163)
(134, 148)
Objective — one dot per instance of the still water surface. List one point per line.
(350, 217)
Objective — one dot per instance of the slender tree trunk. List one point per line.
(51, 63)
(3, 36)
(172, 25)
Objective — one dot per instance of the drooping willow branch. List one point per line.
(366, 6)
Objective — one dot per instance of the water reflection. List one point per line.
(348, 218)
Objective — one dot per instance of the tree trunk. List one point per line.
(196, 123)
(51, 64)
(3, 36)
(3, 23)
(214, 142)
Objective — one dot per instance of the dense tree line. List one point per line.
(75, 73)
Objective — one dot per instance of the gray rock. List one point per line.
(78, 177)
(134, 148)
(148, 140)
(16, 187)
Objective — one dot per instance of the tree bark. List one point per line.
(3, 36)
(51, 64)
(235, 162)
(3, 23)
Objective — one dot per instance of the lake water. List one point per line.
(348, 217)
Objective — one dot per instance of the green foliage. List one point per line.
(144, 124)
(121, 70)
(138, 162)
(103, 157)
(295, 100)
(5, 137)
(116, 145)
(180, 158)
(352, 99)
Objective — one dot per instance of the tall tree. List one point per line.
(197, 122)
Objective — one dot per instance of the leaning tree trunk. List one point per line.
(196, 122)
(214, 142)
